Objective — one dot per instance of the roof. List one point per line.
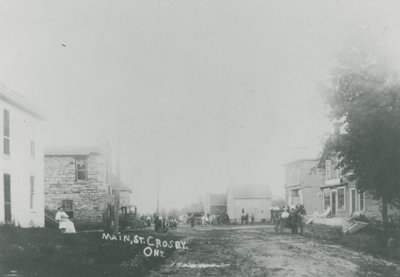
(70, 150)
(17, 100)
(116, 183)
(251, 192)
(301, 160)
(218, 199)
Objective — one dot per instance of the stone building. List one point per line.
(79, 180)
(21, 185)
(215, 204)
(249, 199)
(303, 179)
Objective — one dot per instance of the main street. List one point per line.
(258, 251)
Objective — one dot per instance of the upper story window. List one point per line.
(6, 132)
(32, 192)
(327, 169)
(32, 149)
(332, 169)
(81, 171)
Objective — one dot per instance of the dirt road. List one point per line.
(258, 251)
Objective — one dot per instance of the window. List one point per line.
(361, 199)
(32, 149)
(81, 170)
(32, 192)
(341, 199)
(6, 132)
(327, 169)
(327, 199)
(353, 200)
(68, 207)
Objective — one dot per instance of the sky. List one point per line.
(202, 94)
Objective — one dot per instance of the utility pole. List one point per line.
(158, 189)
(116, 195)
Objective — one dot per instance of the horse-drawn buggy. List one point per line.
(291, 219)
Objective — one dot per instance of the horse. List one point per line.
(183, 219)
(205, 220)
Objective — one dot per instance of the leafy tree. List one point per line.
(363, 99)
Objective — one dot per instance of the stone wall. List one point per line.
(90, 198)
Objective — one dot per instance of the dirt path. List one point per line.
(258, 251)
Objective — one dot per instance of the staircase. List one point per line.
(49, 220)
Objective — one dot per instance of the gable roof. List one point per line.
(71, 150)
(251, 192)
(115, 183)
(218, 199)
(17, 100)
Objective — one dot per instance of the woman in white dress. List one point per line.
(65, 225)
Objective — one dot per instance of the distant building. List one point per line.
(251, 200)
(302, 184)
(79, 180)
(215, 204)
(125, 192)
(21, 185)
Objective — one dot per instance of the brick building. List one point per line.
(79, 180)
(302, 184)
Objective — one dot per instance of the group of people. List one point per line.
(289, 217)
(245, 219)
(163, 223)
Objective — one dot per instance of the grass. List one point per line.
(46, 252)
(369, 240)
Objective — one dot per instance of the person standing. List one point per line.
(191, 220)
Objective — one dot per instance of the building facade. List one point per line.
(215, 204)
(252, 200)
(21, 185)
(124, 195)
(79, 180)
(302, 184)
(342, 196)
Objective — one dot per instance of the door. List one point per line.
(7, 198)
(333, 201)
(353, 200)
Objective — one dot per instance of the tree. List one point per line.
(363, 99)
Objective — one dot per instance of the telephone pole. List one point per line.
(116, 195)
(158, 189)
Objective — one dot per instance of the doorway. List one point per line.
(333, 201)
(7, 198)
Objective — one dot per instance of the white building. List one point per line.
(21, 162)
(249, 200)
